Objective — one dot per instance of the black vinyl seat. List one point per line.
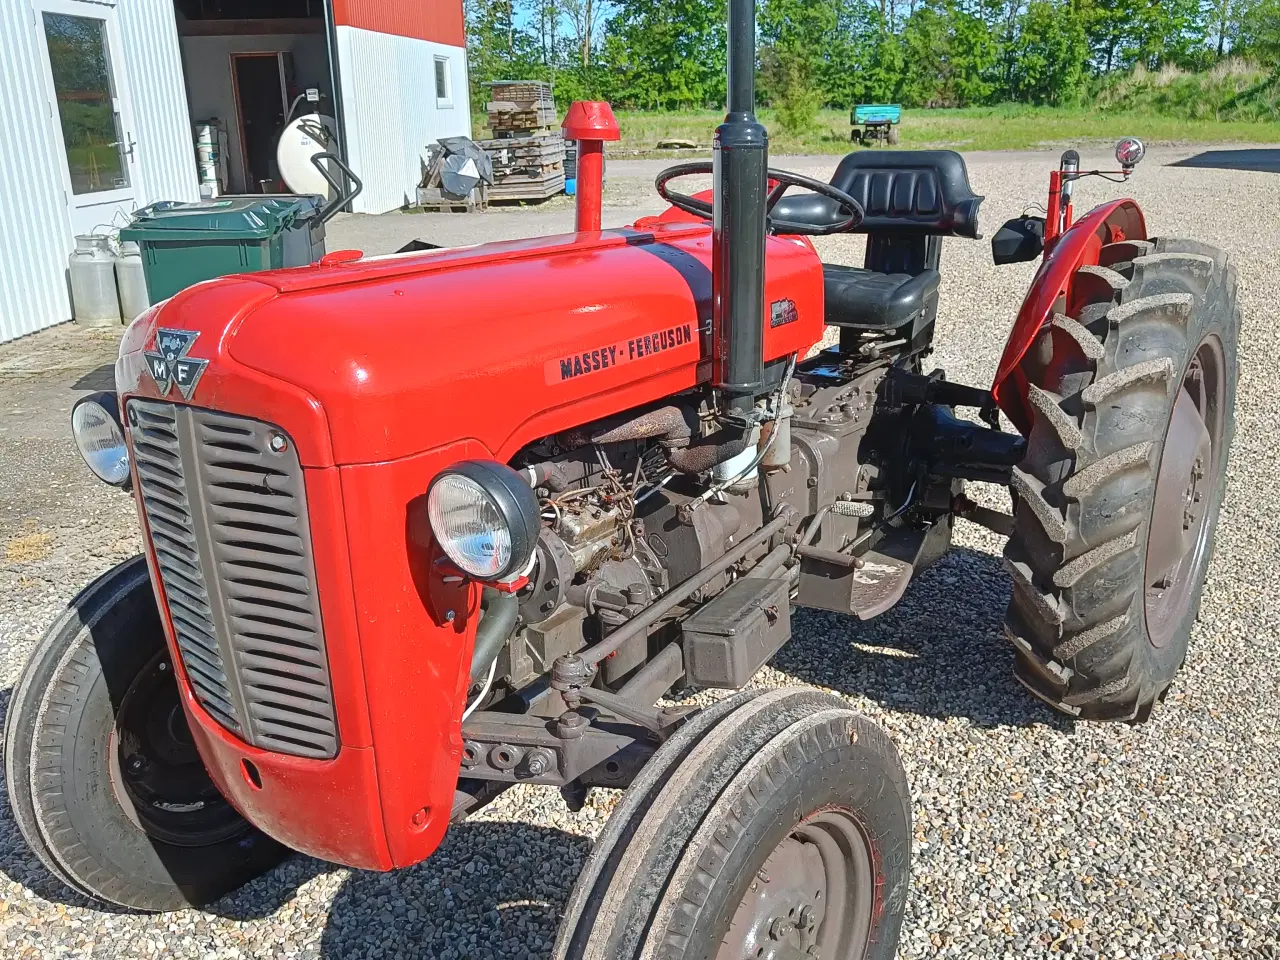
(867, 300)
(912, 199)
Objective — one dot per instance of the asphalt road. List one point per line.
(1034, 835)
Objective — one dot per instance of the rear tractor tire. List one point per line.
(104, 780)
(1133, 391)
(774, 824)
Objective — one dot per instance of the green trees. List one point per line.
(667, 53)
(670, 54)
(1049, 56)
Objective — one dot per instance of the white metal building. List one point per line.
(99, 99)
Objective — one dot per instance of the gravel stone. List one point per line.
(1034, 835)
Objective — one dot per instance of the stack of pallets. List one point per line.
(520, 108)
(527, 149)
(526, 168)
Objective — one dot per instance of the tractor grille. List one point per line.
(228, 520)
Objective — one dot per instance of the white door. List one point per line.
(89, 109)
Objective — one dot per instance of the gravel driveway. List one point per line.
(1034, 835)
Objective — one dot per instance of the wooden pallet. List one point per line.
(529, 172)
(434, 200)
(518, 189)
(521, 91)
(522, 133)
(524, 151)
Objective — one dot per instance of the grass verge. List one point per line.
(1010, 127)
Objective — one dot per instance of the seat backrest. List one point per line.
(920, 192)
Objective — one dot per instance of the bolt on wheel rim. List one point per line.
(1187, 478)
(812, 899)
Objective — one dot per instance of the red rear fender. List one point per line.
(1080, 245)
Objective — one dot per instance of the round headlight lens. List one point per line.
(95, 424)
(469, 526)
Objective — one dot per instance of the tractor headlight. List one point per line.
(99, 435)
(485, 518)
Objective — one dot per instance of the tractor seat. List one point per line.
(867, 300)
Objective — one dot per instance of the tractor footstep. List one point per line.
(878, 583)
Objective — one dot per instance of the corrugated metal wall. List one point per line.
(440, 21)
(34, 229)
(389, 108)
(35, 232)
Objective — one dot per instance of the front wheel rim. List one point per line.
(813, 896)
(156, 772)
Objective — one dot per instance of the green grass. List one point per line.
(1010, 127)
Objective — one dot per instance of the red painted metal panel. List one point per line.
(438, 20)
(1079, 245)
(400, 351)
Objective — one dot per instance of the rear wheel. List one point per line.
(1133, 389)
(103, 777)
(779, 828)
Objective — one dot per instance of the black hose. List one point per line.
(498, 612)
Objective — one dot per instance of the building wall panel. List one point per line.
(35, 229)
(440, 21)
(390, 110)
(153, 63)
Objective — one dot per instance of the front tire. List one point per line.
(781, 825)
(1133, 391)
(104, 781)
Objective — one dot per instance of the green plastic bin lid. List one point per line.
(254, 217)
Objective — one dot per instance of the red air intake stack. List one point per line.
(591, 123)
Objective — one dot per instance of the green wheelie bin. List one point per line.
(185, 243)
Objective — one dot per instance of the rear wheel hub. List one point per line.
(1188, 474)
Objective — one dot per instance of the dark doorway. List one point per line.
(262, 88)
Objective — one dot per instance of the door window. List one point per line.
(91, 130)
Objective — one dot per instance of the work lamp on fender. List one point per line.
(485, 518)
(99, 436)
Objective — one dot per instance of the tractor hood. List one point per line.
(500, 343)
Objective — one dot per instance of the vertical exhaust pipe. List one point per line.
(740, 158)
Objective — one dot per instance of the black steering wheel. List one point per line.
(824, 223)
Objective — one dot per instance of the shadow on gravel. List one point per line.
(1265, 161)
(490, 890)
(939, 653)
(102, 378)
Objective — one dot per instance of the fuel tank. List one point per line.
(502, 343)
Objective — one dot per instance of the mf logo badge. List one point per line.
(169, 364)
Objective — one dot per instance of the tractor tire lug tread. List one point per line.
(1084, 481)
(1100, 405)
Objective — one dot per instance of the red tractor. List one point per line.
(422, 527)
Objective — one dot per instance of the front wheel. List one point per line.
(776, 826)
(103, 777)
(1133, 391)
